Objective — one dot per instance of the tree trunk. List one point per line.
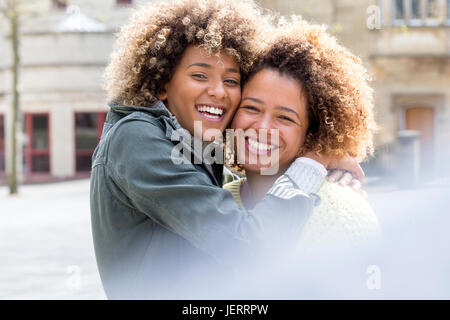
(12, 175)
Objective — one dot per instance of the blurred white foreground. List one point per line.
(46, 251)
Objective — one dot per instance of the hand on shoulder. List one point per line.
(345, 172)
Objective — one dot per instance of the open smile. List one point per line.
(211, 112)
(259, 148)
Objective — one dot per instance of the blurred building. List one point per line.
(64, 47)
(404, 43)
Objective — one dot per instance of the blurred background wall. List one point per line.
(65, 46)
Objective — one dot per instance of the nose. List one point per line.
(264, 127)
(217, 90)
(264, 122)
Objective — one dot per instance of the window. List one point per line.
(123, 2)
(37, 143)
(431, 9)
(431, 13)
(59, 4)
(2, 143)
(415, 9)
(88, 130)
(417, 12)
(398, 12)
(448, 11)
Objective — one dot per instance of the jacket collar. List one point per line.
(159, 110)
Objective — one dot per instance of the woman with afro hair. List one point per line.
(162, 225)
(315, 94)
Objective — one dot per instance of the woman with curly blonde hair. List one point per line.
(315, 94)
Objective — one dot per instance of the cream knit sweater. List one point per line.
(342, 219)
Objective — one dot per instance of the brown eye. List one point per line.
(232, 82)
(250, 108)
(199, 76)
(286, 118)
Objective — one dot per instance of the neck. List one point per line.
(256, 187)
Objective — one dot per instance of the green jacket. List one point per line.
(159, 227)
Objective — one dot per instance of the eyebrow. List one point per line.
(287, 109)
(208, 66)
(253, 99)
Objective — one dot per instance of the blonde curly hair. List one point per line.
(149, 47)
(340, 99)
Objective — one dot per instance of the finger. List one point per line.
(356, 185)
(364, 194)
(346, 179)
(336, 175)
(356, 170)
(349, 164)
(359, 173)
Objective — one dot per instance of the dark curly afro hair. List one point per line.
(149, 47)
(340, 100)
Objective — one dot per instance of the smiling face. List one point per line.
(271, 100)
(203, 88)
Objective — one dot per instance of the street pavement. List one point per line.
(46, 248)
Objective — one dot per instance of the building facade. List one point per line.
(405, 44)
(64, 48)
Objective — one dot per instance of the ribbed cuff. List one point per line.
(307, 176)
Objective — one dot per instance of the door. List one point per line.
(88, 130)
(2, 144)
(422, 119)
(37, 146)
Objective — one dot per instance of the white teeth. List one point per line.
(259, 146)
(210, 116)
(212, 110)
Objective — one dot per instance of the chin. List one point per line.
(208, 130)
(255, 167)
(212, 130)
(208, 139)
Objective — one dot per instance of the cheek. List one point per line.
(301, 139)
(294, 140)
(185, 88)
(235, 98)
(236, 123)
(240, 120)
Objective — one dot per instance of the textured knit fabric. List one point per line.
(342, 219)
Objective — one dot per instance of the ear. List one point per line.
(162, 96)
